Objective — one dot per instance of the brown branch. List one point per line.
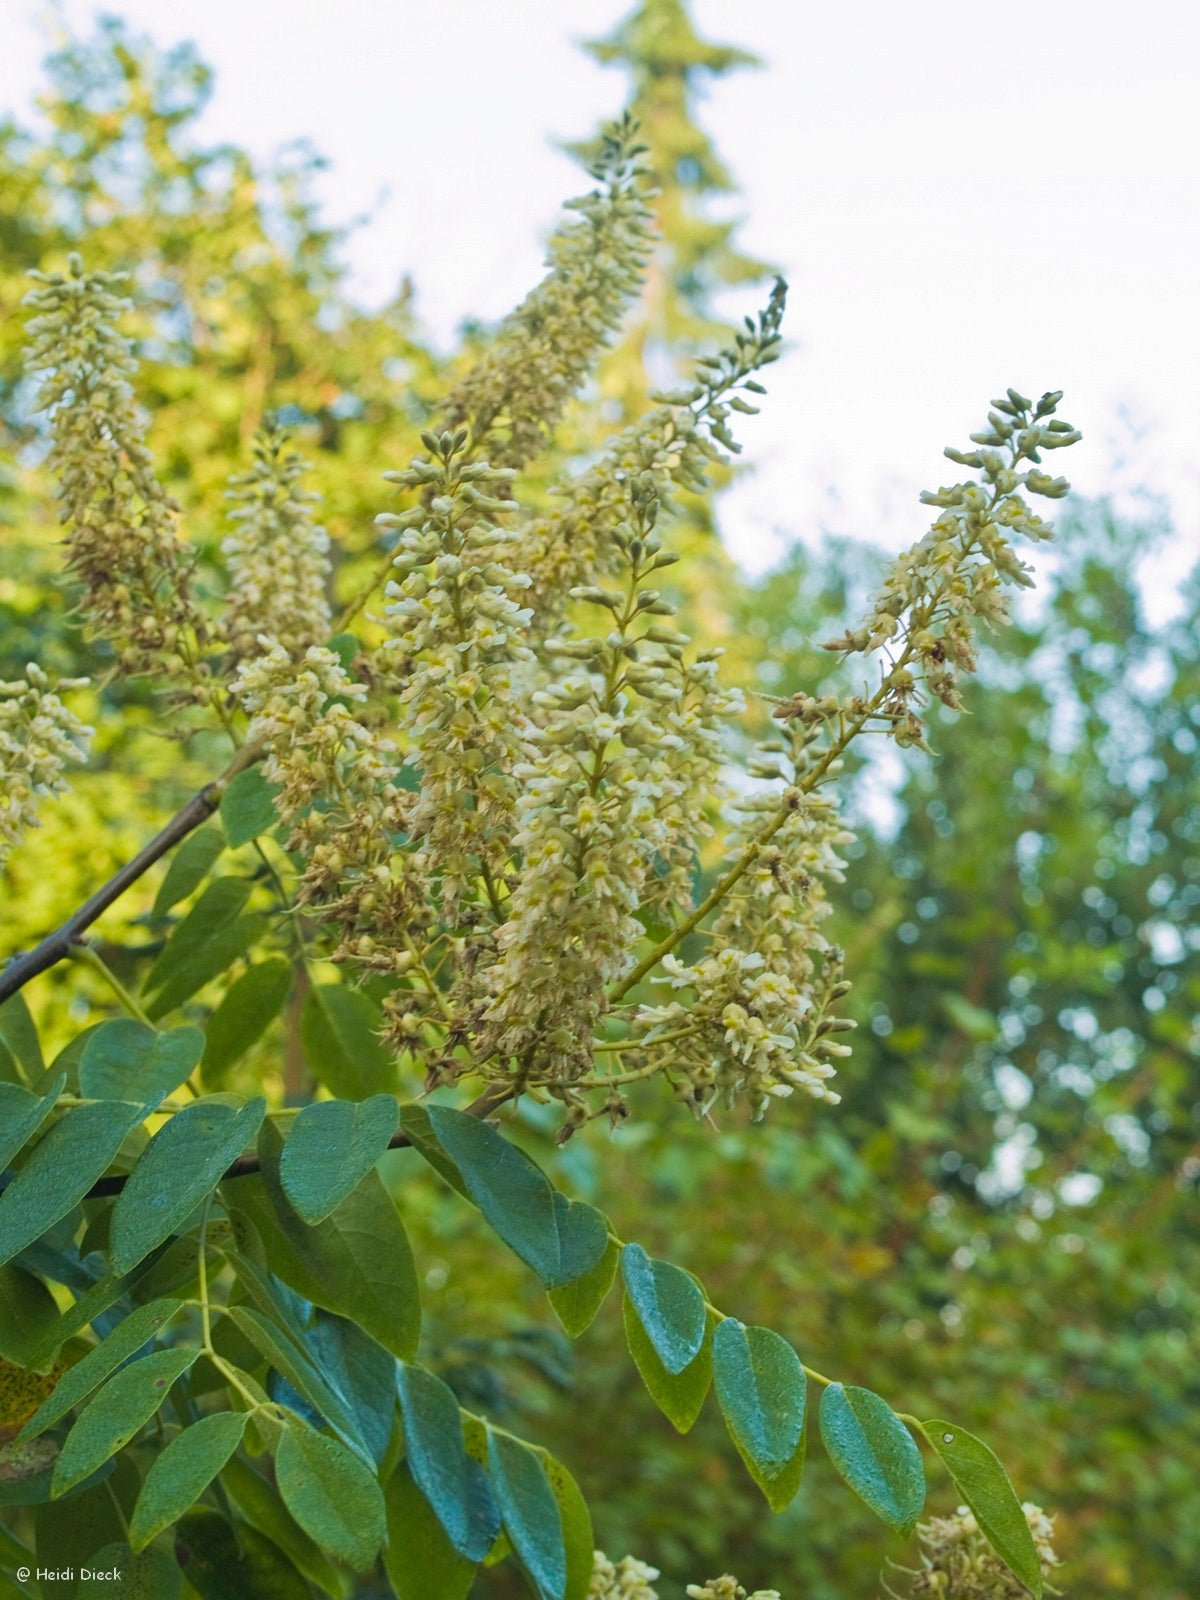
(57, 945)
(490, 1100)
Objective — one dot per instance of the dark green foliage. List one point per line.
(983, 1483)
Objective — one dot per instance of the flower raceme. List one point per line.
(497, 798)
(38, 737)
(123, 547)
(277, 558)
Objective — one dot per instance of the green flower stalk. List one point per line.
(938, 592)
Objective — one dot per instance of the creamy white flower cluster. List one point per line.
(38, 737)
(631, 1579)
(675, 445)
(727, 1588)
(627, 1579)
(336, 778)
(278, 556)
(952, 580)
(695, 715)
(754, 1015)
(782, 900)
(957, 1562)
(547, 346)
(607, 813)
(123, 545)
(741, 1030)
(457, 646)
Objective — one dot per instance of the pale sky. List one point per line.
(961, 196)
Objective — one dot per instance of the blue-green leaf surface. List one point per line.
(669, 1305)
(875, 1453)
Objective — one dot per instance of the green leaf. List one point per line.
(220, 1565)
(68, 1058)
(28, 1484)
(357, 1262)
(259, 1503)
(11, 1070)
(984, 1485)
(332, 1495)
(180, 1166)
(332, 1146)
(346, 645)
(678, 1395)
(291, 1363)
(61, 1169)
(92, 1304)
(88, 1373)
(669, 1304)
(22, 1114)
(247, 1010)
(476, 1436)
(437, 1459)
(220, 904)
(148, 1575)
(27, 1312)
(248, 807)
(530, 1513)
(340, 1031)
(875, 1454)
(219, 953)
(578, 1538)
(560, 1239)
(71, 1531)
(18, 1035)
(362, 1371)
(419, 1559)
(189, 867)
(179, 1476)
(576, 1303)
(762, 1389)
(126, 1060)
(973, 1020)
(418, 1130)
(122, 1407)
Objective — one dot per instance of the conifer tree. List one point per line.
(667, 63)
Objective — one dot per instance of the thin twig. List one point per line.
(57, 946)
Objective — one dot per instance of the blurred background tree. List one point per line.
(1006, 1201)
